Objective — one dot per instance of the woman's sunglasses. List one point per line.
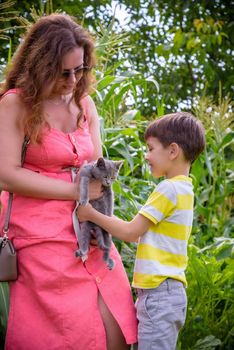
(78, 72)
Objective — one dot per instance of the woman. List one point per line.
(57, 302)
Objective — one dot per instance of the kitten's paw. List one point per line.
(78, 253)
(110, 264)
(83, 202)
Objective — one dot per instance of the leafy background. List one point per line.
(156, 57)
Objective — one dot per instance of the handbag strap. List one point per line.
(8, 214)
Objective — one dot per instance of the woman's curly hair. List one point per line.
(37, 64)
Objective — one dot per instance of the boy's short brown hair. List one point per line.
(182, 128)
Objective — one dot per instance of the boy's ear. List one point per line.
(174, 150)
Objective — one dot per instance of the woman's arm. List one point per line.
(13, 177)
(124, 230)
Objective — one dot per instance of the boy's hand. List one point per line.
(84, 212)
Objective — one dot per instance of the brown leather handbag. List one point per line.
(8, 260)
(8, 256)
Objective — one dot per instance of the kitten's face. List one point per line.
(106, 171)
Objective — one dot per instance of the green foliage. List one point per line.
(187, 49)
(116, 92)
(4, 308)
(210, 313)
(213, 173)
(13, 22)
(7, 15)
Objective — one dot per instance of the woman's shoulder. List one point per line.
(87, 102)
(12, 106)
(11, 97)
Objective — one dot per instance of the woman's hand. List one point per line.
(95, 189)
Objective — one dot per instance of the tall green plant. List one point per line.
(116, 92)
(7, 15)
(210, 316)
(213, 172)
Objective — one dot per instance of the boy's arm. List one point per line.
(124, 230)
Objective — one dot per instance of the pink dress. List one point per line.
(53, 303)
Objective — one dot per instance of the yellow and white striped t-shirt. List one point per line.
(162, 250)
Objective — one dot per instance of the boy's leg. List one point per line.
(161, 313)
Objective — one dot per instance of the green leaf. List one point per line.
(209, 342)
(209, 164)
(104, 82)
(227, 140)
(131, 114)
(4, 304)
(154, 82)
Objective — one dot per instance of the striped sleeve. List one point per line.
(161, 203)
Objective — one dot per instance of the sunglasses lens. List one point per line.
(79, 72)
(65, 75)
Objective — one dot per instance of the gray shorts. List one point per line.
(161, 313)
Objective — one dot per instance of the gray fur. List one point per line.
(105, 171)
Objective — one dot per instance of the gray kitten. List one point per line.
(106, 171)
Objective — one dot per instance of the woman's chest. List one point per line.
(61, 117)
(60, 150)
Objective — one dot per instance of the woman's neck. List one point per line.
(58, 100)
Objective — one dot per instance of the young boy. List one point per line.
(163, 224)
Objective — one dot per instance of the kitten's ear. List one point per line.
(118, 164)
(101, 163)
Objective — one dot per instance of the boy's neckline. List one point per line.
(180, 177)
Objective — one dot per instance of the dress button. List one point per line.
(98, 279)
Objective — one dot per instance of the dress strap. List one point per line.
(11, 91)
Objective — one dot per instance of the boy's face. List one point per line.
(158, 157)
